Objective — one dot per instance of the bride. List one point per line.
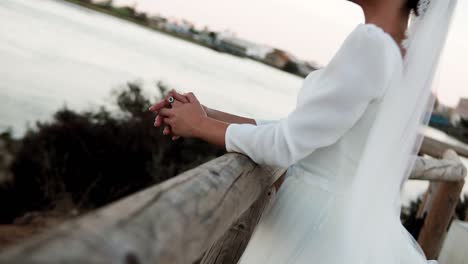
(348, 145)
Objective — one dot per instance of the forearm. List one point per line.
(212, 131)
(228, 118)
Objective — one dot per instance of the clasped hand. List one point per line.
(182, 117)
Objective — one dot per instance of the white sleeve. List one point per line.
(328, 105)
(261, 122)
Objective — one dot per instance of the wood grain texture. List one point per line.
(438, 209)
(436, 148)
(429, 169)
(230, 247)
(178, 220)
(174, 222)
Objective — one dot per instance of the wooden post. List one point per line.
(230, 247)
(438, 210)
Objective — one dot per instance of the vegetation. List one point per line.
(81, 161)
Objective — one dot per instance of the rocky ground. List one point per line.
(28, 225)
(31, 223)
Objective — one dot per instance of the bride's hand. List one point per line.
(184, 118)
(164, 103)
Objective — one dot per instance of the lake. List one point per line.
(54, 54)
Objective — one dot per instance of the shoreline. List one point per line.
(102, 10)
(291, 66)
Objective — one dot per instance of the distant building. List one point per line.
(206, 37)
(103, 3)
(228, 42)
(462, 109)
(157, 22)
(258, 52)
(446, 112)
(184, 29)
(277, 58)
(438, 121)
(304, 68)
(232, 46)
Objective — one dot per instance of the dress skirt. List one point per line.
(304, 225)
(290, 231)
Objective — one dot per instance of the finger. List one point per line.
(166, 112)
(158, 121)
(174, 138)
(179, 97)
(166, 131)
(177, 103)
(168, 121)
(164, 103)
(191, 97)
(156, 107)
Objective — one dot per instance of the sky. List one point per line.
(311, 29)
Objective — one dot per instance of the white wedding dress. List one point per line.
(320, 142)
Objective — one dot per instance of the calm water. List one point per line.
(54, 54)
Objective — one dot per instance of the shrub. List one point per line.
(86, 160)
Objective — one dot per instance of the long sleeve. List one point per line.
(331, 101)
(261, 122)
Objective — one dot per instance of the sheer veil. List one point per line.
(374, 204)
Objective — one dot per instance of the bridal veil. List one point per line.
(374, 229)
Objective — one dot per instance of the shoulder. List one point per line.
(370, 42)
(370, 31)
(365, 44)
(368, 56)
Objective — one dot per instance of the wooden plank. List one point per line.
(429, 169)
(230, 247)
(436, 148)
(441, 201)
(174, 222)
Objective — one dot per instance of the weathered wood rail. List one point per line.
(438, 206)
(213, 209)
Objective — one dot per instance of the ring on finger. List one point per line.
(170, 99)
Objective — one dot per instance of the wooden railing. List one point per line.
(440, 201)
(208, 214)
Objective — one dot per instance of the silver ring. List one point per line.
(170, 99)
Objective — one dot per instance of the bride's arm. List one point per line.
(327, 110)
(228, 118)
(212, 113)
(234, 119)
(324, 114)
(320, 120)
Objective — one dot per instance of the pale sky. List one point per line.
(311, 29)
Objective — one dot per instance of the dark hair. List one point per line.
(413, 6)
